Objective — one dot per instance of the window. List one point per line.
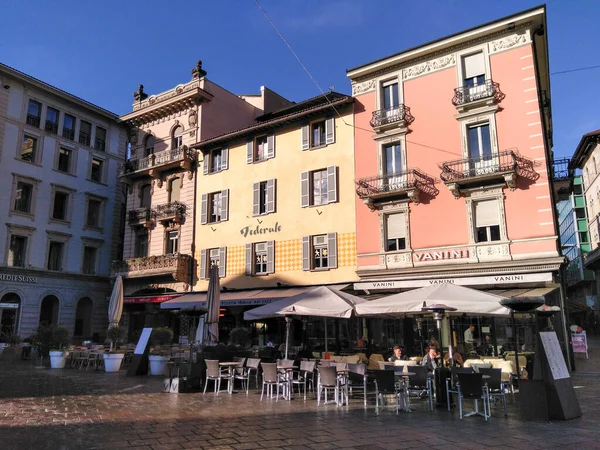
(93, 213)
(64, 160)
(149, 145)
(29, 149)
(89, 260)
(260, 149)
(96, 172)
(100, 141)
(216, 160)
(85, 132)
(318, 187)
(23, 197)
(260, 258)
(174, 190)
(318, 134)
(393, 159)
(487, 221)
(141, 243)
(172, 241)
(473, 70)
(17, 251)
(263, 197)
(479, 143)
(177, 137)
(52, 120)
(34, 112)
(55, 255)
(389, 95)
(145, 196)
(68, 127)
(59, 209)
(212, 257)
(319, 252)
(395, 228)
(215, 207)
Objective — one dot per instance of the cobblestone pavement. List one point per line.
(73, 409)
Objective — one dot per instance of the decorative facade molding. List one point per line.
(507, 42)
(361, 88)
(429, 66)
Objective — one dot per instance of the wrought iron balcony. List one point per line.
(100, 144)
(176, 265)
(170, 211)
(503, 166)
(562, 177)
(488, 92)
(68, 134)
(398, 115)
(139, 215)
(32, 120)
(51, 127)
(152, 165)
(84, 138)
(410, 184)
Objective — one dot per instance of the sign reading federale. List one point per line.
(251, 231)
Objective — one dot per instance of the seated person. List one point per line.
(430, 360)
(398, 355)
(305, 351)
(434, 343)
(457, 359)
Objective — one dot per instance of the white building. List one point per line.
(61, 207)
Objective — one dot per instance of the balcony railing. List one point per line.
(84, 138)
(170, 210)
(140, 214)
(410, 183)
(490, 90)
(461, 169)
(174, 264)
(68, 134)
(51, 127)
(32, 120)
(395, 115)
(560, 169)
(100, 144)
(155, 160)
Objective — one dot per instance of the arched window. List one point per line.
(149, 145)
(145, 198)
(9, 314)
(177, 137)
(174, 189)
(49, 310)
(83, 317)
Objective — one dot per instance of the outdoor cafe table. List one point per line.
(406, 379)
(288, 373)
(231, 366)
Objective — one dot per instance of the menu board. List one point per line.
(554, 355)
(579, 341)
(143, 342)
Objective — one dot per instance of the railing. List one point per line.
(459, 169)
(395, 183)
(84, 138)
(140, 214)
(100, 144)
(173, 263)
(395, 114)
(467, 94)
(51, 127)
(68, 134)
(34, 121)
(173, 209)
(158, 159)
(560, 169)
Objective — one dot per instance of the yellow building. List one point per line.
(275, 201)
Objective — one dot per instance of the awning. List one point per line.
(151, 299)
(524, 292)
(253, 297)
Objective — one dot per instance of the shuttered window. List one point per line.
(319, 133)
(487, 220)
(261, 148)
(260, 258)
(213, 257)
(263, 197)
(318, 187)
(214, 207)
(395, 232)
(319, 252)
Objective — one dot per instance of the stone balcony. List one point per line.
(175, 265)
(156, 163)
(394, 117)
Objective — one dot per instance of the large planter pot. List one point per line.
(158, 364)
(112, 361)
(58, 359)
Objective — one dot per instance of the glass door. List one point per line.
(481, 160)
(394, 178)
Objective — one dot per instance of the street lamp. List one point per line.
(288, 324)
(439, 311)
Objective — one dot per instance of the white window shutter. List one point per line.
(486, 213)
(332, 261)
(396, 226)
(270, 146)
(332, 184)
(256, 199)
(305, 137)
(203, 264)
(330, 131)
(224, 205)
(306, 253)
(225, 159)
(204, 209)
(222, 262)
(270, 256)
(304, 190)
(271, 195)
(248, 269)
(205, 163)
(250, 152)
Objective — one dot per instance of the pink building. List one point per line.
(452, 148)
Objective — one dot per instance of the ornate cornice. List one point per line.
(507, 42)
(365, 86)
(429, 66)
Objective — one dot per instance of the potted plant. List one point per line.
(114, 357)
(240, 337)
(159, 356)
(60, 339)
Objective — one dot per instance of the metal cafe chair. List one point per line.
(241, 373)
(271, 377)
(252, 366)
(357, 378)
(470, 385)
(385, 383)
(421, 382)
(496, 387)
(327, 381)
(453, 381)
(303, 375)
(214, 374)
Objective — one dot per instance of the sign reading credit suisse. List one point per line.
(252, 231)
(18, 278)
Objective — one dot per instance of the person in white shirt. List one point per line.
(469, 340)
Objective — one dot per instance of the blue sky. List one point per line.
(101, 51)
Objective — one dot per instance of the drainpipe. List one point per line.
(563, 304)
(193, 247)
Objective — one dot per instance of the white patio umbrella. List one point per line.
(213, 303)
(464, 299)
(320, 301)
(115, 307)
